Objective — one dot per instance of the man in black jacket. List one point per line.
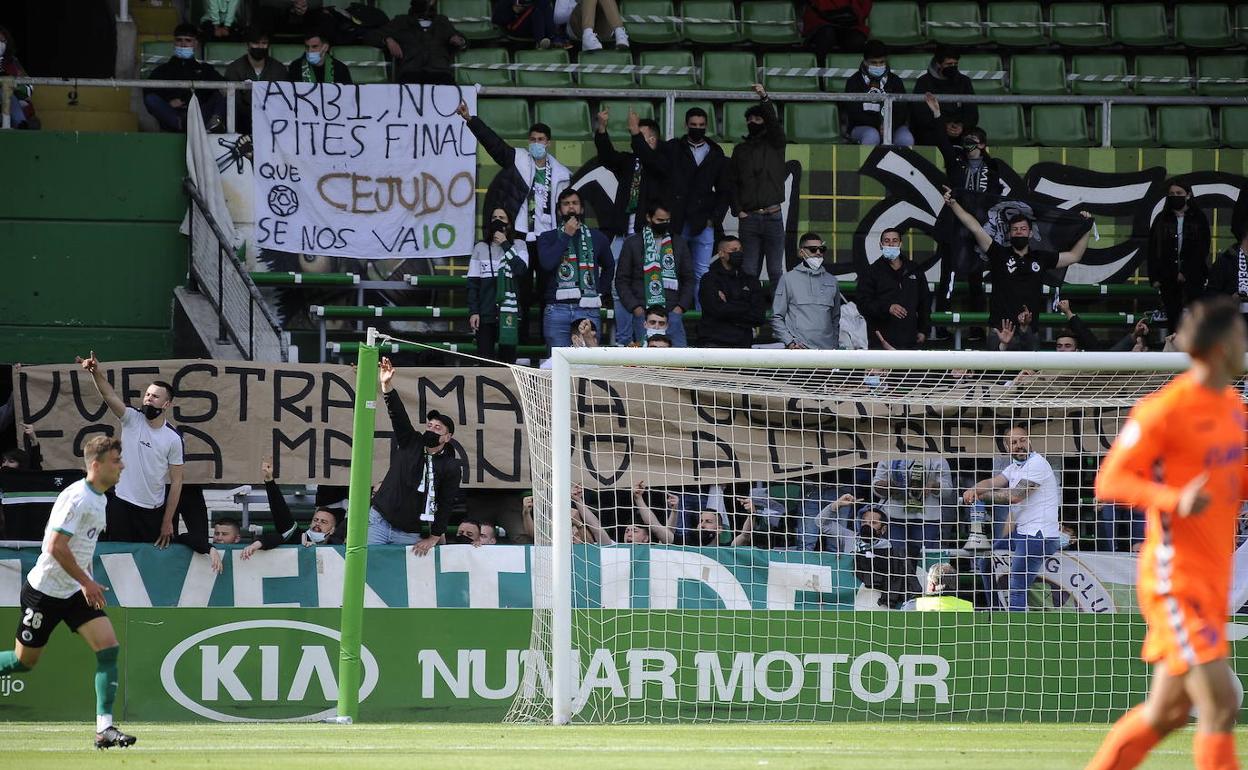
(756, 178)
(423, 45)
(169, 105)
(943, 79)
(865, 120)
(423, 479)
(894, 298)
(1178, 249)
(882, 564)
(694, 167)
(733, 302)
(317, 65)
(655, 269)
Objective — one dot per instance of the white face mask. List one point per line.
(814, 263)
(316, 537)
(890, 252)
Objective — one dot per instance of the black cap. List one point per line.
(447, 421)
(874, 49)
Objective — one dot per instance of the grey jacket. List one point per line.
(807, 308)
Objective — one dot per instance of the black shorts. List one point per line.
(41, 614)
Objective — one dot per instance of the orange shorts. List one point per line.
(1182, 633)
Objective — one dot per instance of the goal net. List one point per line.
(758, 535)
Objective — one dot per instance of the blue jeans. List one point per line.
(868, 135)
(916, 535)
(381, 533)
(1110, 521)
(1030, 551)
(762, 235)
(174, 118)
(701, 246)
(557, 322)
(624, 327)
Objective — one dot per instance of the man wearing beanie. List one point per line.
(756, 175)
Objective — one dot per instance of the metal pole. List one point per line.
(6, 95)
(1106, 122)
(887, 117)
(231, 109)
(561, 537)
(123, 13)
(221, 335)
(669, 102)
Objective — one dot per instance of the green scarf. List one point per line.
(505, 296)
(634, 189)
(310, 77)
(658, 268)
(578, 275)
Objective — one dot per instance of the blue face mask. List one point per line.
(890, 252)
(1063, 541)
(537, 150)
(315, 57)
(877, 72)
(184, 53)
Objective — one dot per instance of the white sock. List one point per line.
(103, 722)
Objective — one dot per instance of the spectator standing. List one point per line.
(529, 18)
(1230, 273)
(836, 25)
(1178, 252)
(577, 268)
(318, 65)
(255, 65)
(499, 267)
(880, 563)
(914, 494)
(422, 481)
(21, 111)
(1029, 487)
(139, 510)
(733, 302)
(169, 105)
(756, 178)
(866, 119)
(656, 270)
(894, 298)
(593, 20)
(806, 311)
(693, 169)
(943, 78)
(423, 44)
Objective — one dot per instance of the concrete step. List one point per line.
(154, 17)
(87, 121)
(71, 99)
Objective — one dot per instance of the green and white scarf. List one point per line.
(658, 268)
(505, 296)
(310, 77)
(578, 275)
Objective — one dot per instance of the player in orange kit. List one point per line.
(1180, 456)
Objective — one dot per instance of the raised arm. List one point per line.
(657, 530)
(590, 518)
(399, 421)
(982, 239)
(1068, 258)
(92, 365)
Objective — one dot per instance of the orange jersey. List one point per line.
(1173, 436)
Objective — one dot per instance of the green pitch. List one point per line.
(507, 747)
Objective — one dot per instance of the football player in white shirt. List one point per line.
(1029, 487)
(140, 511)
(60, 587)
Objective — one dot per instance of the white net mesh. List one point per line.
(748, 541)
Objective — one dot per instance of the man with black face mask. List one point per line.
(881, 564)
(423, 480)
(255, 65)
(139, 509)
(733, 302)
(423, 44)
(1178, 252)
(656, 270)
(943, 78)
(756, 179)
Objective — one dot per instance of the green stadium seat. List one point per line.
(809, 123)
(711, 34)
(152, 54)
(1203, 25)
(897, 23)
(650, 32)
(1139, 24)
(790, 83)
(470, 9)
(729, 70)
(1234, 121)
(618, 127)
(963, 13)
(1131, 126)
(1185, 127)
(840, 61)
(767, 22)
(678, 120)
(1094, 34)
(366, 63)
(1038, 74)
(286, 52)
(984, 62)
(567, 118)
(1099, 64)
(1241, 22)
(1163, 66)
(607, 79)
(1233, 67)
(467, 77)
(394, 8)
(1024, 13)
(668, 81)
(734, 120)
(1004, 124)
(509, 118)
(916, 63)
(543, 79)
(221, 54)
(1060, 125)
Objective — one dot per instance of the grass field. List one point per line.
(507, 747)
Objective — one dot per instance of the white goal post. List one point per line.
(798, 405)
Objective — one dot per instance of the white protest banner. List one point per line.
(368, 171)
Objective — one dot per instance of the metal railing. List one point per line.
(243, 316)
(1107, 103)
